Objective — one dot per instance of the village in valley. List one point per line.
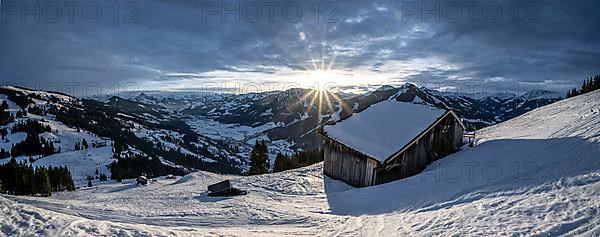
(423, 161)
(299, 118)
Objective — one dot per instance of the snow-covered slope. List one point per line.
(575, 117)
(90, 161)
(538, 174)
(139, 133)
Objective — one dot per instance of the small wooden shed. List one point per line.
(388, 141)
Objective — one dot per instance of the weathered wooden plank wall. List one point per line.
(443, 139)
(347, 165)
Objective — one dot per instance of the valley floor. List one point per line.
(538, 174)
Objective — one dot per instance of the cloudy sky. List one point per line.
(197, 45)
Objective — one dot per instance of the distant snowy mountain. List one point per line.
(289, 119)
(297, 109)
(536, 174)
(181, 132)
(542, 94)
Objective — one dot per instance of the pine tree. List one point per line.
(41, 182)
(9, 175)
(89, 184)
(280, 163)
(25, 180)
(300, 159)
(103, 177)
(259, 160)
(4, 105)
(5, 116)
(4, 133)
(588, 85)
(84, 144)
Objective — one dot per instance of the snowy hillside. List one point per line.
(537, 174)
(146, 138)
(81, 162)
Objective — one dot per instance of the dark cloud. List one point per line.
(550, 44)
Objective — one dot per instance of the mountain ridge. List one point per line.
(536, 174)
(216, 132)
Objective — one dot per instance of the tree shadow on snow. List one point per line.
(123, 187)
(511, 166)
(203, 197)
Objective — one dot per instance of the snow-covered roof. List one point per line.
(383, 128)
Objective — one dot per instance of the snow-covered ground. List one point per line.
(81, 163)
(213, 129)
(538, 174)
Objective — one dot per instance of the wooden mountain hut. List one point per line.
(388, 141)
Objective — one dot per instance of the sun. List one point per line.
(324, 77)
(320, 75)
(323, 97)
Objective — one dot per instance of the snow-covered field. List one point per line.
(538, 174)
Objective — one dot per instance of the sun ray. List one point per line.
(333, 57)
(312, 102)
(322, 56)
(322, 60)
(304, 97)
(330, 108)
(310, 56)
(345, 106)
(320, 103)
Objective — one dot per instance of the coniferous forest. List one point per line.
(23, 179)
(588, 85)
(259, 159)
(298, 160)
(33, 144)
(132, 165)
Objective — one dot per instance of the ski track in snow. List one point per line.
(538, 174)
